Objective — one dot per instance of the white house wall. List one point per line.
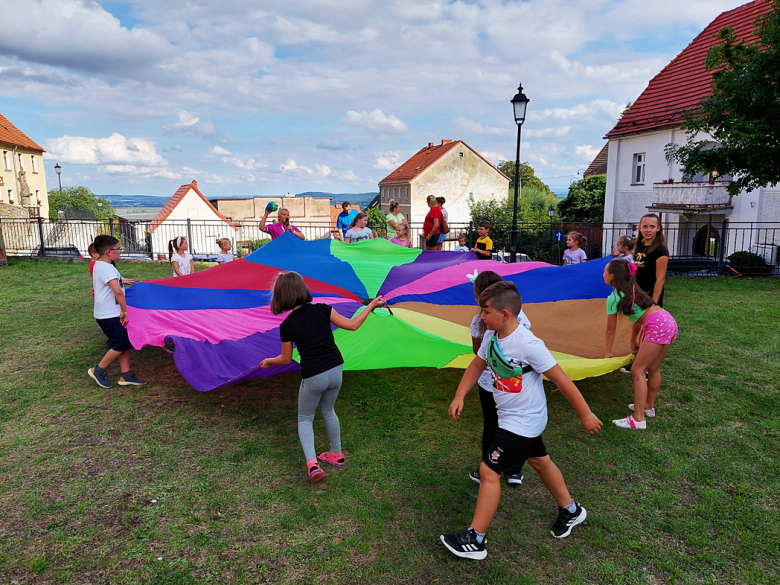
(204, 227)
(625, 202)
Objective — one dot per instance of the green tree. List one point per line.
(585, 200)
(528, 176)
(377, 220)
(742, 113)
(79, 198)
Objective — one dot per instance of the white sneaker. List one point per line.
(649, 412)
(630, 423)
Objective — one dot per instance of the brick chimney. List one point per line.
(443, 141)
(430, 145)
(195, 184)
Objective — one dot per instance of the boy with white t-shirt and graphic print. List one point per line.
(111, 314)
(517, 360)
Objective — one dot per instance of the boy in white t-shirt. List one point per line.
(517, 360)
(111, 314)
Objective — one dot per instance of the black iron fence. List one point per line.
(695, 247)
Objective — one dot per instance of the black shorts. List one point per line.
(508, 451)
(433, 242)
(116, 333)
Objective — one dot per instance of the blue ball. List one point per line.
(271, 206)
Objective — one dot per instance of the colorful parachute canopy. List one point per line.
(221, 325)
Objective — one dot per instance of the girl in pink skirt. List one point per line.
(653, 332)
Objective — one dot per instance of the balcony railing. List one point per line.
(691, 195)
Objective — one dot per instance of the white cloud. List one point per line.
(493, 157)
(587, 151)
(79, 34)
(387, 161)
(291, 166)
(116, 149)
(218, 150)
(584, 111)
(376, 121)
(544, 132)
(348, 175)
(478, 128)
(323, 170)
(190, 125)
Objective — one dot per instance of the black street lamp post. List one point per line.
(58, 169)
(520, 103)
(551, 213)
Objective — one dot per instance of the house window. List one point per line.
(21, 162)
(34, 164)
(38, 196)
(407, 193)
(6, 161)
(10, 196)
(638, 176)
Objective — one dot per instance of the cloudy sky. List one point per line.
(258, 97)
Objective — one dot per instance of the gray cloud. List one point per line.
(332, 145)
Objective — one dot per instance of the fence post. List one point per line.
(587, 241)
(723, 244)
(111, 226)
(40, 232)
(189, 235)
(471, 234)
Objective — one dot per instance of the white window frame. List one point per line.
(21, 162)
(638, 168)
(11, 196)
(6, 161)
(34, 164)
(38, 196)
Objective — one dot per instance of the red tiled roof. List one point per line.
(171, 204)
(599, 164)
(684, 82)
(424, 158)
(10, 134)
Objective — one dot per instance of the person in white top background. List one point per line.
(181, 260)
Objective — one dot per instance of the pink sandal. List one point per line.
(630, 423)
(335, 459)
(316, 473)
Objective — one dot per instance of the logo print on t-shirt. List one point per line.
(495, 455)
(639, 259)
(512, 385)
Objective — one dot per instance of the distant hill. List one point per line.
(150, 201)
(126, 201)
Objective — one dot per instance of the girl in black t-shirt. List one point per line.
(651, 257)
(308, 326)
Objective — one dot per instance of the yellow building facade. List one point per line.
(22, 176)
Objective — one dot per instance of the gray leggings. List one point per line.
(322, 389)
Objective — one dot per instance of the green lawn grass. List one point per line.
(162, 484)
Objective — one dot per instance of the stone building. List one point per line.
(452, 170)
(22, 177)
(302, 209)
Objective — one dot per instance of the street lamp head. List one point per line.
(520, 103)
(551, 211)
(58, 168)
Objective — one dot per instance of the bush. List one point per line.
(257, 244)
(749, 263)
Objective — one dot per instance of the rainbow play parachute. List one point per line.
(221, 326)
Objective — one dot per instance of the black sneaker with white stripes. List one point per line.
(567, 520)
(464, 544)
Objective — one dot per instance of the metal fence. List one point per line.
(698, 248)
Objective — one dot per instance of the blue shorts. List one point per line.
(442, 237)
(508, 451)
(116, 333)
